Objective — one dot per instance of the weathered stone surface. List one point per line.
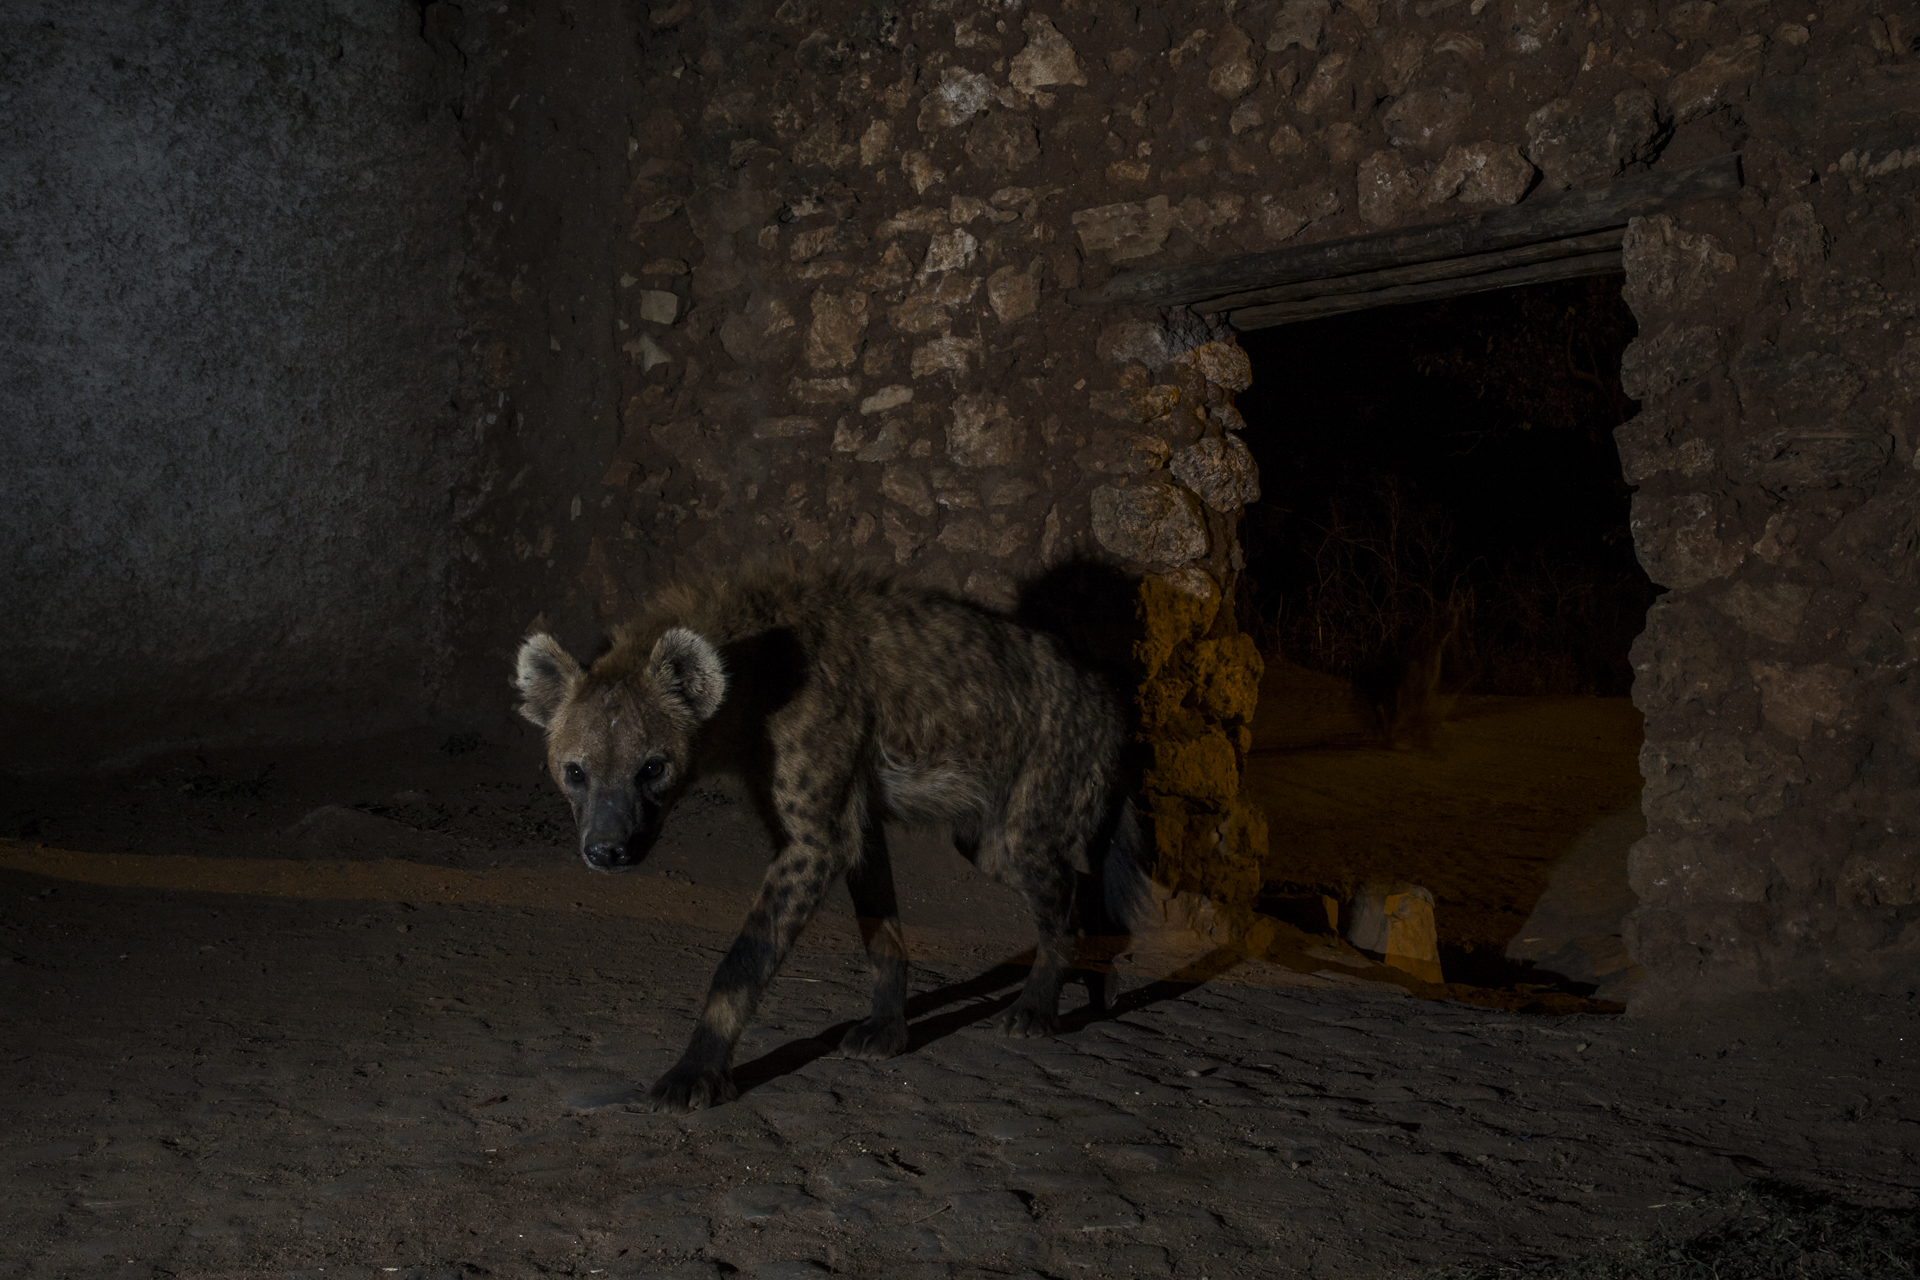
(1799, 241)
(1773, 612)
(1795, 700)
(1279, 220)
(1126, 230)
(1428, 117)
(823, 390)
(1013, 293)
(1221, 470)
(1390, 187)
(1725, 775)
(1225, 364)
(876, 144)
(1150, 522)
(920, 170)
(1394, 920)
(1667, 267)
(983, 432)
(1047, 59)
(1886, 877)
(658, 306)
(1205, 769)
(993, 536)
(1136, 342)
(949, 250)
(1003, 143)
(1648, 447)
(1232, 70)
(1123, 453)
(1330, 85)
(1227, 675)
(1582, 150)
(1171, 609)
(886, 398)
(1846, 451)
(786, 428)
(760, 333)
(1481, 173)
(1657, 362)
(1679, 541)
(930, 307)
(944, 355)
(1299, 23)
(839, 325)
(1816, 385)
(839, 237)
(959, 95)
(904, 484)
(1721, 75)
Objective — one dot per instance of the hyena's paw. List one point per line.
(1024, 1020)
(692, 1089)
(876, 1038)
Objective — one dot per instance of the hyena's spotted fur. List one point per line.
(844, 700)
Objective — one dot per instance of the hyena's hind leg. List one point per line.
(884, 1032)
(1039, 864)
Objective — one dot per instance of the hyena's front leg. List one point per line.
(818, 850)
(884, 1033)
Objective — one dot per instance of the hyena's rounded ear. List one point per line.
(685, 666)
(545, 674)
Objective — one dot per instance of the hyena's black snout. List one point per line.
(617, 833)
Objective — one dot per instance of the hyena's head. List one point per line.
(620, 735)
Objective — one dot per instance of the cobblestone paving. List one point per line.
(212, 1085)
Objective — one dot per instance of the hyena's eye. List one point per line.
(652, 769)
(576, 776)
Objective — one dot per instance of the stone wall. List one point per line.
(228, 253)
(792, 277)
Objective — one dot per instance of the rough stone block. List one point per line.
(1481, 173)
(1221, 470)
(1169, 610)
(1711, 82)
(1394, 920)
(1151, 522)
(1582, 150)
(1048, 58)
(1205, 769)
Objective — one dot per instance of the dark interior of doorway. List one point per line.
(1441, 575)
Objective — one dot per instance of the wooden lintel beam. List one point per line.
(1421, 272)
(1592, 264)
(1554, 217)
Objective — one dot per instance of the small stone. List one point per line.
(1657, 362)
(1013, 293)
(1427, 117)
(1720, 76)
(1245, 116)
(837, 238)
(949, 250)
(1123, 453)
(839, 322)
(1135, 342)
(956, 99)
(1221, 470)
(876, 144)
(1003, 143)
(1799, 242)
(823, 390)
(943, 355)
(1327, 85)
(921, 172)
(1666, 267)
(1481, 173)
(659, 306)
(1152, 522)
(1224, 364)
(1299, 22)
(1286, 141)
(906, 486)
(1126, 230)
(1047, 59)
(1390, 185)
(983, 433)
(1395, 921)
(784, 428)
(646, 352)
(1279, 221)
(1582, 150)
(886, 398)
(1232, 69)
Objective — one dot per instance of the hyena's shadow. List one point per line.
(976, 1001)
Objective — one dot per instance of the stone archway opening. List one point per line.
(1441, 578)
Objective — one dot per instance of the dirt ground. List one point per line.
(1517, 816)
(360, 1012)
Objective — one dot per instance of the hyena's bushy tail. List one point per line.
(1125, 890)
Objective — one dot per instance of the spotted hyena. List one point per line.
(843, 701)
